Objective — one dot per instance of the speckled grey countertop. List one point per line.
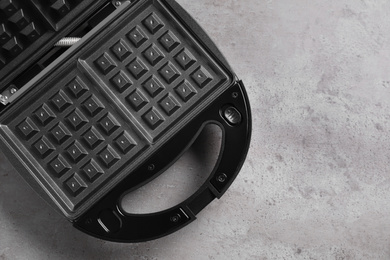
(316, 184)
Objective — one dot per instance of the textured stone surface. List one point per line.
(316, 184)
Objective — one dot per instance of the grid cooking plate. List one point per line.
(111, 103)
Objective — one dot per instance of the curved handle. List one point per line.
(107, 220)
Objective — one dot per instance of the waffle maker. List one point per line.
(84, 125)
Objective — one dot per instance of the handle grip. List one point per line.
(107, 220)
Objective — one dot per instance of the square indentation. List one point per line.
(75, 184)
(169, 41)
(202, 77)
(77, 87)
(13, 47)
(93, 105)
(61, 7)
(109, 124)
(60, 133)
(93, 138)
(121, 81)
(31, 32)
(121, 50)
(44, 114)
(153, 23)
(5, 35)
(169, 72)
(76, 152)
(59, 166)
(153, 118)
(153, 54)
(137, 68)
(109, 156)
(92, 170)
(185, 59)
(76, 119)
(169, 104)
(8, 7)
(125, 142)
(137, 36)
(185, 91)
(105, 63)
(44, 147)
(27, 128)
(61, 101)
(19, 19)
(137, 100)
(153, 86)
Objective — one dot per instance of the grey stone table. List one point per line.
(316, 184)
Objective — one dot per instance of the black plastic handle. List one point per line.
(107, 220)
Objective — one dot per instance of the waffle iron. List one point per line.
(87, 124)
